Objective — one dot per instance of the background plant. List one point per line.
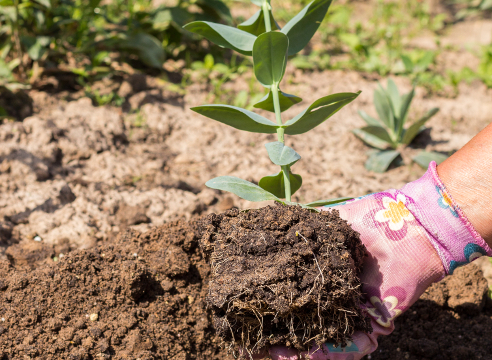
(90, 37)
(269, 45)
(388, 134)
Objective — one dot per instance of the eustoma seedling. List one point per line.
(261, 37)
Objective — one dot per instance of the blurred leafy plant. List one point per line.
(388, 134)
(472, 7)
(90, 36)
(270, 46)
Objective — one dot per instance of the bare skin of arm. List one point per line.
(467, 175)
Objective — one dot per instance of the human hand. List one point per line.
(414, 237)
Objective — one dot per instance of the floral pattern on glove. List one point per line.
(472, 252)
(351, 347)
(445, 202)
(384, 311)
(395, 212)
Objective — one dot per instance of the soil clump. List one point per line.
(284, 275)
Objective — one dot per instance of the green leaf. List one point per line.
(301, 28)
(270, 57)
(275, 184)
(5, 72)
(281, 154)
(242, 188)
(415, 128)
(394, 96)
(256, 24)
(45, 3)
(36, 46)
(369, 119)
(425, 61)
(408, 63)
(318, 112)
(375, 136)
(237, 118)
(328, 202)
(223, 35)
(424, 158)
(383, 107)
(215, 6)
(406, 101)
(379, 161)
(286, 101)
(163, 18)
(147, 47)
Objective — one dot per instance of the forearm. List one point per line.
(467, 175)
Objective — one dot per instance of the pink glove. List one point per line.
(414, 237)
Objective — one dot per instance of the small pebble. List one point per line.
(94, 317)
(37, 238)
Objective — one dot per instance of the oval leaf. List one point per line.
(301, 28)
(379, 161)
(281, 154)
(416, 127)
(237, 118)
(270, 57)
(375, 136)
(275, 184)
(424, 158)
(242, 188)
(256, 24)
(147, 47)
(223, 35)
(328, 202)
(286, 101)
(318, 112)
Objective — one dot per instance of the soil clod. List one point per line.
(284, 275)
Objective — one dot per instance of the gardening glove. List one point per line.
(414, 237)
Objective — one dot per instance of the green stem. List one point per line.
(130, 15)
(266, 14)
(276, 105)
(17, 39)
(286, 171)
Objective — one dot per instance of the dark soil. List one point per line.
(141, 297)
(451, 321)
(284, 275)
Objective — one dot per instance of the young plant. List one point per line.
(261, 37)
(388, 134)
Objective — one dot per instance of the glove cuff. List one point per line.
(455, 239)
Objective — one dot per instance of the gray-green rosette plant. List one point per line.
(270, 46)
(388, 134)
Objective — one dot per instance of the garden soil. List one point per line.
(142, 296)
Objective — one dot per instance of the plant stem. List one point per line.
(276, 105)
(17, 39)
(266, 14)
(286, 171)
(130, 15)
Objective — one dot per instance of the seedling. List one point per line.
(261, 37)
(388, 134)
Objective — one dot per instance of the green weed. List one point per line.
(388, 134)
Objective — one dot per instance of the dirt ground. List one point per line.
(73, 176)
